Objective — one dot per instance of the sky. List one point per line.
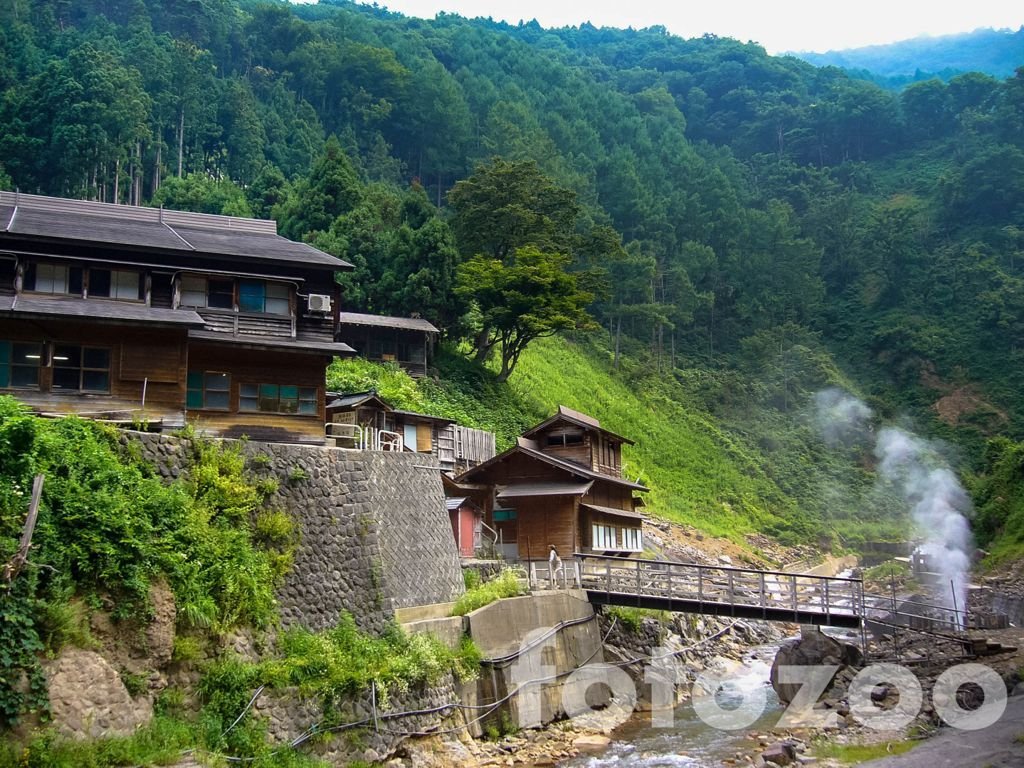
(778, 25)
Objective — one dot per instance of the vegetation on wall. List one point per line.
(108, 528)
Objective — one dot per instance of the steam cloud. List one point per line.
(938, 503)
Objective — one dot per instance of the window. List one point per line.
(259, 296)
(82, 369)
(208, 390)
(566, 438)
(278, 398)
(49, 278)
(604, 537)
(115, 284)
(632, 539)
(202, 292)
(19, 364)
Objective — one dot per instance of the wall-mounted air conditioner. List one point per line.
(319, 302)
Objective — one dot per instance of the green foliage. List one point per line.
(632, 618)
(853, 754)
(108, 526)
(389, 380)
(530, 296)
(998, 492)
(159, 743)
(505, 584)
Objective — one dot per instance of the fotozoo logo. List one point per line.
(592, 686)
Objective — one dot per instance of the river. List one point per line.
(689, 741)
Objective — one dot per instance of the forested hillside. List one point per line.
(996, 52)
(775, 225)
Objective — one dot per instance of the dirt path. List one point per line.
(994, 747)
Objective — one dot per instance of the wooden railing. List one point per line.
(722, 590)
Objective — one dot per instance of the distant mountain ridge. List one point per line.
(994, 52)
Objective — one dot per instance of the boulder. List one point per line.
(781, 753)
(88, 699)
(812, 648)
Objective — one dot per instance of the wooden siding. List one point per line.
(166, 350)
(364, 339)
(249, 367)
(545, 520)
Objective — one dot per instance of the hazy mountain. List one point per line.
(995, 52)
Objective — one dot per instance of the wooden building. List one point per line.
(457, 448)
(146, 315)
(407, 341)
(560, 485)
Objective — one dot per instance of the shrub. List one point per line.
(505, 584)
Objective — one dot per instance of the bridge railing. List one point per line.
(725, 585)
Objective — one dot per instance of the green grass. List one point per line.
(505, 584)
(852, 754)
(698, 473)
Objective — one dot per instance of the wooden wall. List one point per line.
(156, 357)
(249, 366)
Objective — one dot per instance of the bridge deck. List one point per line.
(722, 590)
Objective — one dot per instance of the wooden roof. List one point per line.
(55, 219)
(569, 416)
(614, 511)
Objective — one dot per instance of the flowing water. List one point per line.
(690, 742)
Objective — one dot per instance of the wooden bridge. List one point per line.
(745, 593)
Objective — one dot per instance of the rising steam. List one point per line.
(937, 502)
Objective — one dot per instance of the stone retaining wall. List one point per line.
(373, 529)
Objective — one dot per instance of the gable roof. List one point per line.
(529, 448)
(385, 321)
(569, 416)
(352, 400)
(60, 219)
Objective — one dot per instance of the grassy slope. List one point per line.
(697, 473)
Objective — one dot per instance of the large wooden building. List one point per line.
(560, 485)
(140, 314)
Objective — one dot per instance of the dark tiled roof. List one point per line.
(83, 221)
(97, 309)
(272, 342)
(355, 399)
(382, 321)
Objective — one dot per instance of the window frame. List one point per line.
(204, 390)
(82, 367)
(252, 396)
(8, 364)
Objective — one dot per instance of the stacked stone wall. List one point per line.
(373, 529)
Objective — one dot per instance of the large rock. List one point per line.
(88, 699)
(812, 648)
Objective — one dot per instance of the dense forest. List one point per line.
(697, 204)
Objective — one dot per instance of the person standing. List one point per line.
(554, 565)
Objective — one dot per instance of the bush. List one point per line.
(109, 526)
(505, 584)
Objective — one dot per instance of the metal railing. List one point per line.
(723, 590)
(356, 438)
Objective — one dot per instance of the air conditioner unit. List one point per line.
(319, 302)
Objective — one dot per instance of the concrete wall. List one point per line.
(373, 528)
(526, 626)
